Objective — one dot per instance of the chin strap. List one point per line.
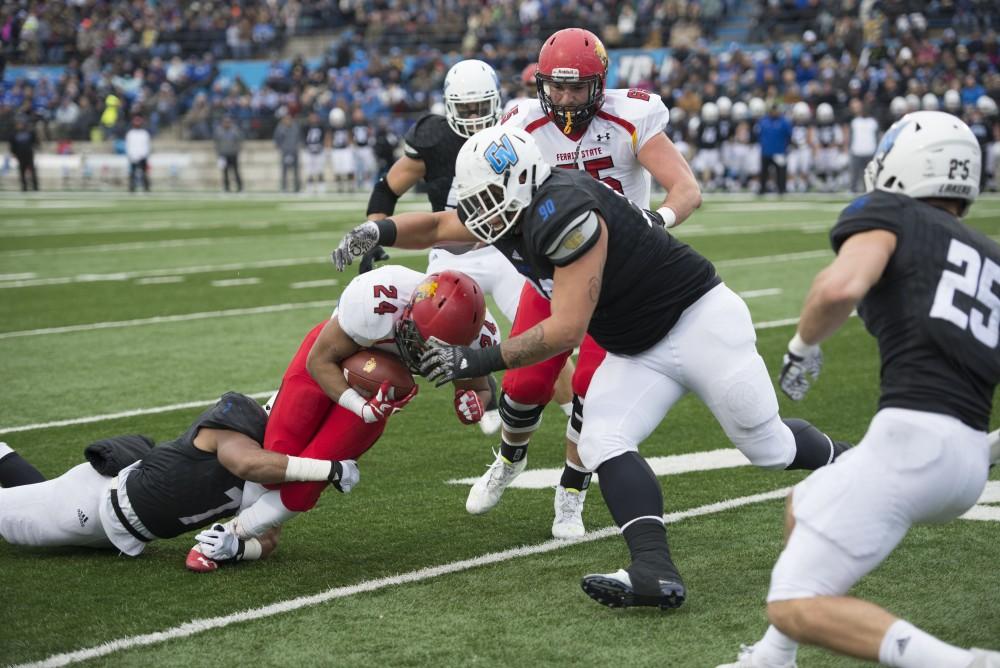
(568, 128)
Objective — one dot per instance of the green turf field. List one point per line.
(123, 315)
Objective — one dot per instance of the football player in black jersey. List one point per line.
(129, 493)
(669, 325)
(926, 287)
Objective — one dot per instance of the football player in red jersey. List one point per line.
(316, 414)
(616, 136)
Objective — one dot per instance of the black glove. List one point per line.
(367, 263)
(443, 364)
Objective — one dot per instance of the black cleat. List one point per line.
(615, 590)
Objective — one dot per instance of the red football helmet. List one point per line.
(448, 307)
(570, 56)
(528, 74)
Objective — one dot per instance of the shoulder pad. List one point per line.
(575, 239)
(236, 412)
(426, 132)
(877, 210)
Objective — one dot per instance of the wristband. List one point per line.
(491, 358)
(307, 469)
(799, 347)
(352, 401)
(669, 216)
(386, 231)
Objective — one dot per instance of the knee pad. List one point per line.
(769, 445)
(575, 422)
(519, 418)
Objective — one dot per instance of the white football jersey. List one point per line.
(373, 302)
(609, 147)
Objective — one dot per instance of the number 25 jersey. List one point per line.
(936, 310)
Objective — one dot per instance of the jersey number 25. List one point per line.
(976, 277)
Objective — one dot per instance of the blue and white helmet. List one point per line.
(927, 154)
(471, 97)
(496, 174)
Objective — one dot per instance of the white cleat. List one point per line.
(984, 658)
(745, 660)
(490, 422)
(568, 522)
(486, 493)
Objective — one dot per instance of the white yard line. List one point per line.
(200, 625)
(182, 317)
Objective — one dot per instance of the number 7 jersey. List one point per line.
(608, 149)
(936, 310)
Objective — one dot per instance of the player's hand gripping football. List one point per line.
(380, 407)
(355, 243)
(344, 475)
(219, 543)
(468, 406)
(800, 368)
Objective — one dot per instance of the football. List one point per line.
(366, 369)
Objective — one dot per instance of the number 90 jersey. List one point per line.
(373, 302)
(936, 309)
(608, 149)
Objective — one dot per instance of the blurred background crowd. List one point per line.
(82, 70)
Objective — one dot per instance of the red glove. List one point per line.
(468, 406)
(379, 407)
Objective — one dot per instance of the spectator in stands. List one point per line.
(23, 143)
(228, 144)
(138, 146)
(109, 117)
(288, 139)
(197, 121)
(775, 131)
(66, 118)
(862, 142)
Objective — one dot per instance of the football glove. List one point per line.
(344, 475)
(799, 369)
(367, 263)
(220, 543)
(468, 406)
(443, 364)
(355, 243)
(380, 407)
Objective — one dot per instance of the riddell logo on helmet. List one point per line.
(567, 73)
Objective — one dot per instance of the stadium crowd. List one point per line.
(386, 64)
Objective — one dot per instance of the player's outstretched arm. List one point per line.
(403, 175)
(669, 168)
(407, 230)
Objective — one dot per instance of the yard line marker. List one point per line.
(322, 283)
(200, 625)
(159, 280)
(160, 319)
(234, 282)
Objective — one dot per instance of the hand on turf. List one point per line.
(355, 243)
(380, 407)
(799, 371)
(219, 542)
(344, 475)
(468, 406)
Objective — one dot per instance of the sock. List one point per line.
(267, 512)
(513, 453)
(630, 489)
(775, 649)
(906, 646)
(567, 408)
(813, 448)
(15, 470)
(575, 477)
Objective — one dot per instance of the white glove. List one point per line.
(344, 475)
(219, 542)
(377, 409)
(800, 368)
(355, 243)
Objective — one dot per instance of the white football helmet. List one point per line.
(952, 100)
(927, 154)
(929, 102)
(987, 105)
(677, 116)
(801, 112)
(824, 113)
(757, 108)
(496, 174)
(740, 111)
(471, 97)
(337, 117)
(725, 106)
(710, 112)
(898, 107)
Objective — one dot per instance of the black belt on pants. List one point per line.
(124, 520)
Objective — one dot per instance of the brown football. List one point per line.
(366, 369)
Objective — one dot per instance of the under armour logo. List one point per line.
(902, 643)
(464, 364)
(606, 136)
(82, 517)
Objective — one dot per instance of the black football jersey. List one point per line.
(341, 138)
(649, 276)
(982, 131)
(178, 487)
(936, 310)
(315, 138)
(725, 129)
(433, 141)
(709, 136)
(826, 134)
(362, 135)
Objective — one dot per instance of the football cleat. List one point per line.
(490, 422)
(615, 590)
(568, 522)
(745, 660)
(984, 658)
(199, 563)
(486, 493)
